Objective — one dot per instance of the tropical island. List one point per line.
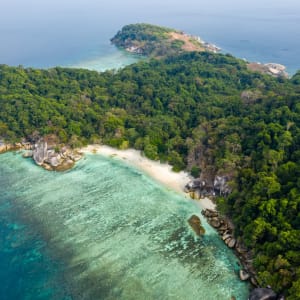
(156, 41)
(237, 131)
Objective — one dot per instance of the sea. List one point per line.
(77, 33)
(105, 230)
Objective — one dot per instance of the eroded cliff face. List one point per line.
(211, 180)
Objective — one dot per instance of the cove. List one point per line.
(114, 233)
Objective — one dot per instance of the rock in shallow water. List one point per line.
(195, 223)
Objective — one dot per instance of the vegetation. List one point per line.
(154, 41)
(201, 111)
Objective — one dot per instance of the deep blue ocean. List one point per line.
(77, 33)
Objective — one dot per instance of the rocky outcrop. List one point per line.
(199, 188)
(244, 275)
(46, 153)
(6, 147)
(262, 294)
(195, 222)
(220, 223)
(202, 188)
(230, 242)
(221, 185)
(40, 152)
(50, 158)
(12, 147)
(273, 69)
(215, 222)
(226, 231)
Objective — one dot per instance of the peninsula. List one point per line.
(156, 41)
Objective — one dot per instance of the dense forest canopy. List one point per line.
(201, 111)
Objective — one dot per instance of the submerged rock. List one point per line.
(262, 294)
(195, 223)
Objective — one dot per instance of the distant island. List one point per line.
(235, 128)
(156, 41)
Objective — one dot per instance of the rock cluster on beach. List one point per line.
(13, 147)
(222, 225)
(52, 158)
(49, 156)
(226, 230)
(198, 189)
(203, 188)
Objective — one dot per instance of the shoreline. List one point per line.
(163, 174)
(74, 228)
(160, 172)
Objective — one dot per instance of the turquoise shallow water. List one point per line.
(27, 270)
(115, 59)
(107, 231)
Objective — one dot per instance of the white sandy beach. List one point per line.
(159, 171)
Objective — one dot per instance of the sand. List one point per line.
(161, 172)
